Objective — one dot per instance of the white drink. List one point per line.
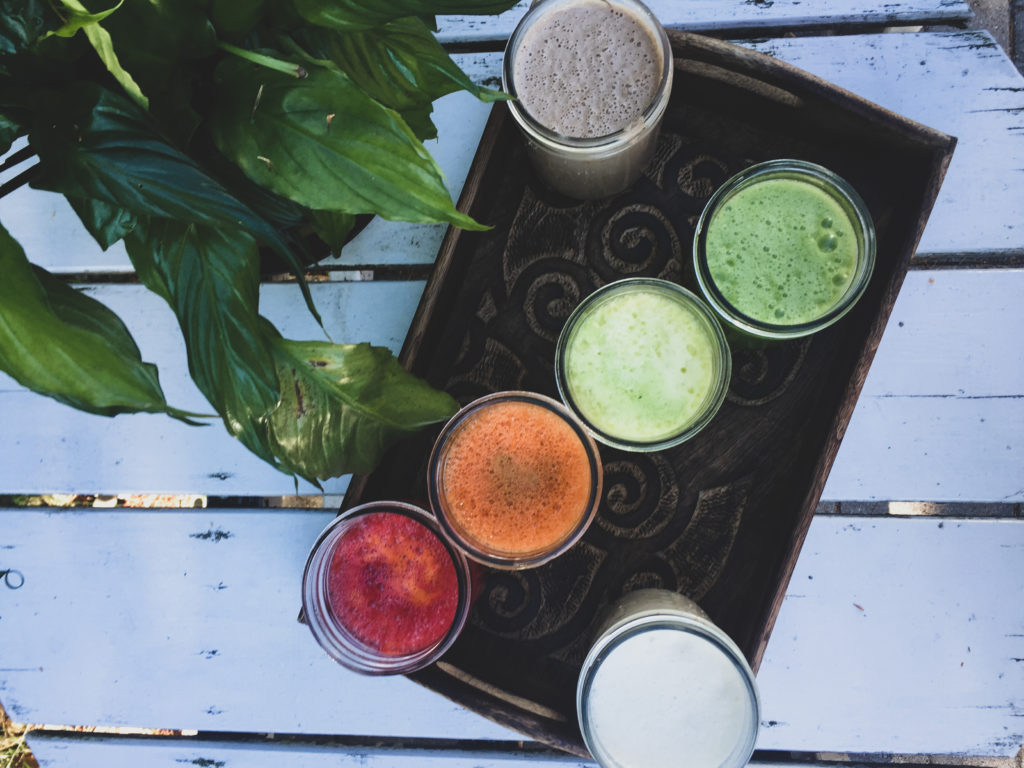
(664, 688)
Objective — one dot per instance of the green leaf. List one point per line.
(234, 18)
(106, 223)
(210, 278)
(400, 64)
(80, 18)
(359, 14)
(23, 23)
(94, 143)
(342, 406)
(9, 131)
(333, 228)
(322, 142)
(61, 343)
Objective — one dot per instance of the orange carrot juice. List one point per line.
(515, 479)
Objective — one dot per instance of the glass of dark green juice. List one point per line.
(784, 249)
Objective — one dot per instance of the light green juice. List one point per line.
(782, 251)
(643, 364)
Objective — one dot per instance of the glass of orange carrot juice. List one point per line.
(514, 479)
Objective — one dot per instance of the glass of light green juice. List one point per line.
(784, 249)
(643, 363)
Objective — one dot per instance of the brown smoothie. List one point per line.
(591, 80)
(587, 69)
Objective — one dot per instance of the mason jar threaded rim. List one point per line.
(722, 359)
(473, 547)
(594, 145)
(330, 633)
(662, 612)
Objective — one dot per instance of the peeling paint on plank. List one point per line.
(211, 535)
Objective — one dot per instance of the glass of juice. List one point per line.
(514, 479)
(662, 680)
(383, 592)
(591, 80)
(644, 364)
(784, 249)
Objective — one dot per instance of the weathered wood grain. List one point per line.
(75, 751)
(187, 620)
(738, 16)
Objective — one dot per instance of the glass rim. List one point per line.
(716, 395)
(576, 144)
(821, 177)
(673, 620)
(331, 634)
(508, 560)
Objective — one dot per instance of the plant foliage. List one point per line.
(202, 133)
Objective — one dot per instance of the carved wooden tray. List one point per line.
(720, 518)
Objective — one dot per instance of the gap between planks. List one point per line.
(964, 510)
(371, 749)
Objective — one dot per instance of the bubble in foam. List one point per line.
(619, 84)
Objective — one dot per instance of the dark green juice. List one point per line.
(782, 251)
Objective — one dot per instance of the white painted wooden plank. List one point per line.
(56, 750)
(941, 414)
(940, 418)
(51, 447)
(900, 636)
(709, 15)
(61, 751)
(962, 84)
(187, 620)
(866, 655)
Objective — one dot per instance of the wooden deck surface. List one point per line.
(899, 634)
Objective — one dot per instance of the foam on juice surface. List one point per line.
(782, 251)
(392, 584)
(587, 70)
(665, 697)
(517, 478)
(640, 365)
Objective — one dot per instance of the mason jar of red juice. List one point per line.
(383, 592)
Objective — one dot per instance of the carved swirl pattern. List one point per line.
(639, 240)
(760, 375)
(553, 257)
(659, 524)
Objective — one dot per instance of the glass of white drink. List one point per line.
(591, 81)
(663, 686)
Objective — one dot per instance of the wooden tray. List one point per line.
(722, 517)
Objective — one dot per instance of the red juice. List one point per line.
(392, 584)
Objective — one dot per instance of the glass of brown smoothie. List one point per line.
(591, 80)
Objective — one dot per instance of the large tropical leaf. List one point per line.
(106, 223)
(79, 18)
(358, 14)
(94, 143)
(322, 142)
(9, 131)
(23, 23)
(342, 406)
(61, 343)
(234, 18)
(400, 64)
(210, 278)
